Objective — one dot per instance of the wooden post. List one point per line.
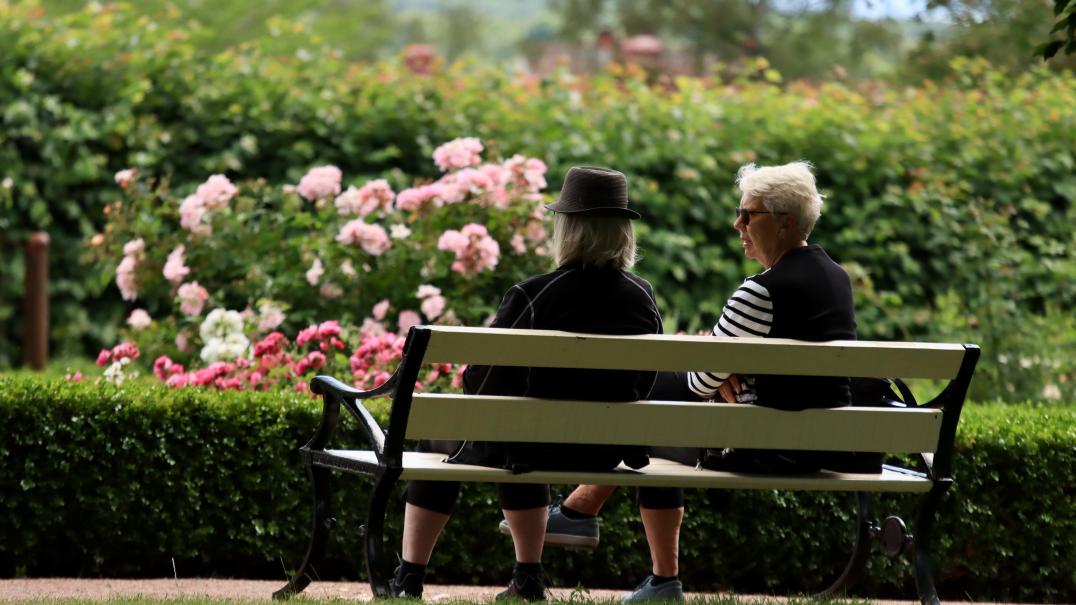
(36, 329)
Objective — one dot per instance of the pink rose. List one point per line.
(371, 238)
(435, 194)
(269, 317)
(306, 335)
(320, 182)
(518, 246)
(426, 290)
(459, 153)
(125, 177)
(475, 250)
(182, 341)
(453, 241)
(380, 309)
(104, 357)
(407, 319)
(174, 268)
(433, 306)
(216, 192)
(139, 319)
(374, 195)
(371, 327)
(134, 247)
(527, 174)
(125, 278)
(314, 273)
(191, 214)
(192, 298)
(125, 350)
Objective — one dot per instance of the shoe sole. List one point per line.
(568, 541)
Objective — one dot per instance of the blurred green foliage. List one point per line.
(951, 205)
(100, 480)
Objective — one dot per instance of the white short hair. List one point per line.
(593, 240)
(789, 188)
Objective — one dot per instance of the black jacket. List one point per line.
(573, 298)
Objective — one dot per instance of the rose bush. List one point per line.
(218, 276)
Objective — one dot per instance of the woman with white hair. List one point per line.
(592, 290)
(802, 294)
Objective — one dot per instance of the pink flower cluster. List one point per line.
(175, 268)
(495, 185)
(214, 194)
(433, 304)
(373, 358)
(164, 368)
(133, 253)
(459, 153)
(435, 194)
(192, 298)
(139, 319)
(373, 239)
(320, 182)
(324, 336)
(124, 350)
(374, 195)
(527, 174)
(475, 250)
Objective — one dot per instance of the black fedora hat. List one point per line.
(594, 191)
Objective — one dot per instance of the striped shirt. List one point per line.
(749, 312)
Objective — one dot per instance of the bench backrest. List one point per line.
(483, 417)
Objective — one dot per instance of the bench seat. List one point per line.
(659, 473)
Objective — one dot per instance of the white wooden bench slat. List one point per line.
(667, 423)
(660, 473)
(547, 348)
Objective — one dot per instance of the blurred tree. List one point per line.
(461, 31)
(1005, 32)
(801, 38)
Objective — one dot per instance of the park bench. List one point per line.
(924, 431)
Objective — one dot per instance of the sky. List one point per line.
(898, 9)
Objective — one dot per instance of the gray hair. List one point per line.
(593, 240)
(789, 188)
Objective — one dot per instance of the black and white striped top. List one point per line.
(749, 312)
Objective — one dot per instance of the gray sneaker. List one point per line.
(562, 531)
(669, 591)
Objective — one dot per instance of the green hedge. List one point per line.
(119, 482)
(951, 204)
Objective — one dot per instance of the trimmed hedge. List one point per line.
(120, 482)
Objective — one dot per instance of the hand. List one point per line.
(730, 388)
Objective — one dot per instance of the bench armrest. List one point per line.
(334, 393)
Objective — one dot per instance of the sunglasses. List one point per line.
(745, 214)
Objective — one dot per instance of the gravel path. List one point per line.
(256, 590)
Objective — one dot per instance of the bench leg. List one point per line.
(865, 532)
(376, 565)
(319, 535)
(924, 534)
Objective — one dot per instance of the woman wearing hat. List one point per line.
(591, 290)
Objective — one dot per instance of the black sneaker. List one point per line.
(525, 586)
(406, 586)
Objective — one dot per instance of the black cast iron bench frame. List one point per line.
(928, 432)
